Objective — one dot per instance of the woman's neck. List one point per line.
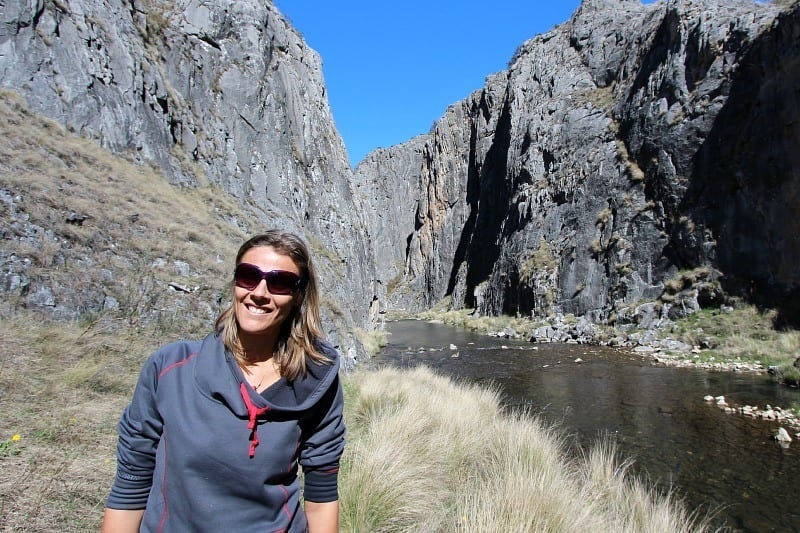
(256, 350)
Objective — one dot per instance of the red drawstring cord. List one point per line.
(253, 413)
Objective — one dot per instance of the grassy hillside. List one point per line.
(86, 233)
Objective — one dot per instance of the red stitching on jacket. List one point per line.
(165, 512)
(286, 503)
(175, 365)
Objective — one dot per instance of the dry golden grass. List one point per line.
(64, 386)
(426, 454)
(372, 340)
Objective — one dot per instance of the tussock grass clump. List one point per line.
(427, 454)
(372, 340)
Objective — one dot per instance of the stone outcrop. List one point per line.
(634, 153)
(209, 91)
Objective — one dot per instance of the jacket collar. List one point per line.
(218, 376)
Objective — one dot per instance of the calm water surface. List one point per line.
(657, 416)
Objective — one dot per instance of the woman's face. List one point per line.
(259, 313)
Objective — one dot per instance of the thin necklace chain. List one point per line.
(263, 377)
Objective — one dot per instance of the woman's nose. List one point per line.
(261, 289)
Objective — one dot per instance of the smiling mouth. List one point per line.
(256, 310)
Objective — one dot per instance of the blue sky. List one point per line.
(392, 68)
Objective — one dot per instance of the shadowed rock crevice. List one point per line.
(488, 200)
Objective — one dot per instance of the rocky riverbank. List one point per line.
(654, 342)
(660, 347)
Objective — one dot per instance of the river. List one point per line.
(656, 415)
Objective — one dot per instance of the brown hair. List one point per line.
(301, 330)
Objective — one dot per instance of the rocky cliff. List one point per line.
(208, 91)
(635, 153)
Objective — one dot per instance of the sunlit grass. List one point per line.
(743, 334)
(372, 340)
(427, 454)
(64, 386)
(114, 232)
(465, 319)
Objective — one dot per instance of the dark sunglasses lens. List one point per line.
(280, 282)
(247, 276)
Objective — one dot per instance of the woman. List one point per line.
(216, 429)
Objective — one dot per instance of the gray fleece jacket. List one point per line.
(200, 450)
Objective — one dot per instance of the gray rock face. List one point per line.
(619, 151)
(390, 193)
(634, 153)
(208, 90)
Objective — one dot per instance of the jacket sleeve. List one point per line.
(140, 430)
(322, 447)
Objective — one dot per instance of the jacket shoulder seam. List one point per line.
(176, 364)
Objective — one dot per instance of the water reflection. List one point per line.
(656, 415)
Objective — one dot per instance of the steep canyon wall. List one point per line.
(211, 92)
(634, 153)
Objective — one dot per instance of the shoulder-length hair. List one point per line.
(302, 329)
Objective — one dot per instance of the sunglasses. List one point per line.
(248, 277)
